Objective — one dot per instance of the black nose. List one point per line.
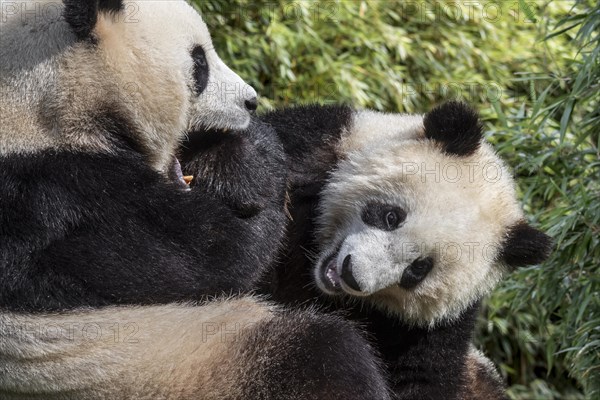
(251, 104)
(416, 272)
(347, 275)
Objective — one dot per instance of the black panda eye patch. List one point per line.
(200, 69)
(383, 216)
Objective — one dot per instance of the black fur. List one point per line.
(525, 245)
(82, 15)
(416, 272)
(456, 126)
(245, 180)
(310, 135)
(317, 357)
(201, 70)
(79, 229)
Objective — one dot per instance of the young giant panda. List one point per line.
(106, 256)
(404, 223)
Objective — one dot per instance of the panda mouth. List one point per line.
(329, 275)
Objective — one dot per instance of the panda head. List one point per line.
(72, 74)
(423, 227)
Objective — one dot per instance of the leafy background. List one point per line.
(533, 69)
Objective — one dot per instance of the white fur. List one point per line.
(118, 353)
(51, 86)
(370, 127)
(458, 212)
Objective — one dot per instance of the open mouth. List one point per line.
(328, 274)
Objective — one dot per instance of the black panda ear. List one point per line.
(456, 126)
(525, 245)
(82, 15)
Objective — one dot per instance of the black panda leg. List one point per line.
(247, 171)
(309, 356)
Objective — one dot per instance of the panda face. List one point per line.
(169, 54)
(72, 72)
(417, 230)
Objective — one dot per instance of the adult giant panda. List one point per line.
(103, 246)
(404, 222)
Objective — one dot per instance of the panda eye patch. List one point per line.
(200, 69)
(386, 217)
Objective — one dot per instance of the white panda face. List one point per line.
(219, 98)
(151, 62)
(415, 230)
(167, 51)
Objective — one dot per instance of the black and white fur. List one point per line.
(70, 74)
(403, 222)
(99, 233)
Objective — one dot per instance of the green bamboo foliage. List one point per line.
(552, 139)
(533, 69)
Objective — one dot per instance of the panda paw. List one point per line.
(245, 169)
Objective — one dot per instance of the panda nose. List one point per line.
(347, 275)
(251, 104)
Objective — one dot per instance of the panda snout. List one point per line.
(347, 275)
(416, 272)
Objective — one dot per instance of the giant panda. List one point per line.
(403, 223)
(112, 269)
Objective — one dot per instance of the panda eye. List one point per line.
(201, 69)
(391, 218)
(383, 216)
